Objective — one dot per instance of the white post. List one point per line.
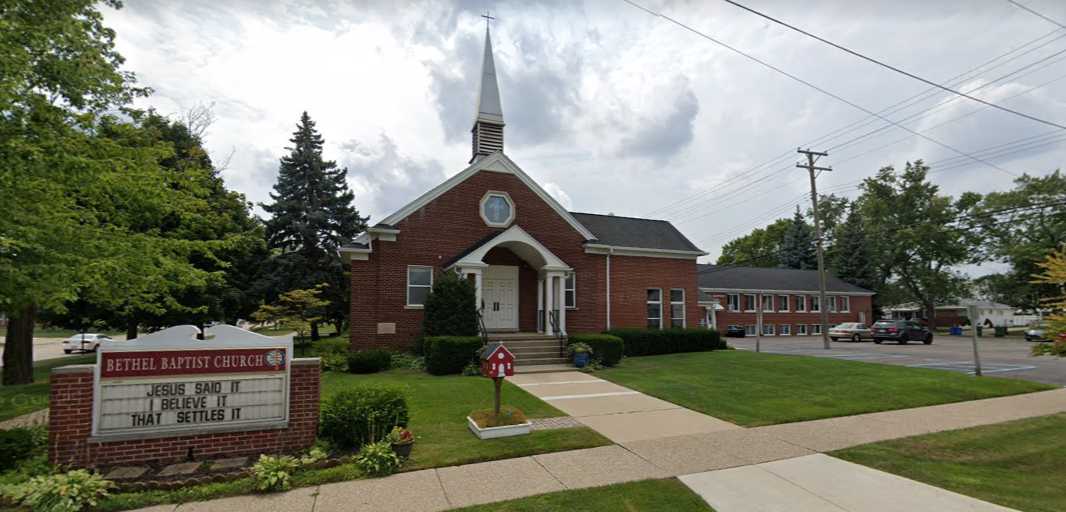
(477, 288)
(712, 321)
(562, 304)
(548, 305)
(758, 324)
(973, 333)
(540, 305)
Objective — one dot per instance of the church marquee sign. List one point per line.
(169, 384)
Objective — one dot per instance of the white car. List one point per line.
(85, 342)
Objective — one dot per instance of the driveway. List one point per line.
(1000, 357)
(51, 348)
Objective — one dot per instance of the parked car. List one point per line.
(84, 342)
(1037, 333)
(734, 331)
(853, 331)
(901, 331)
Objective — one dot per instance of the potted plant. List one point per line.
(580, 353)
(402, 440)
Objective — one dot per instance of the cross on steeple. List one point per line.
(488, 17)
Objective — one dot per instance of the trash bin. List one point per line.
(955, 331)
(980, 329)
(1001, 331)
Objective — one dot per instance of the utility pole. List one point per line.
(972, 312)
(812, 157)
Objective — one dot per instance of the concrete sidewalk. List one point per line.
(681, 455)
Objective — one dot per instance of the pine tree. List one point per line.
(851, 260)
(312, 216)
(797, 245)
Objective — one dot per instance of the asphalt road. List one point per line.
(51, 348)
(1000, 357)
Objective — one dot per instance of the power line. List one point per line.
(896, 69)
(1046, 18)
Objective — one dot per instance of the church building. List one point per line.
(539, 269)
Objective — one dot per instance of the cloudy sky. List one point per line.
(610, 108)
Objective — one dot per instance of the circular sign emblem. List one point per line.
(275, 358)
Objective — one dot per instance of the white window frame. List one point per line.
(785, 329)
(816, 304)
(801, 329)
(762, 303)
(816, 329)
(801, 300)
(407, 291)
(845, 304)
(783, 304)
(754, 302)
(506, 197)
(659, 303)
(768, 330)
(572, 288)
(672, 304)
(832, 300)
(749, 330)
(733, 299)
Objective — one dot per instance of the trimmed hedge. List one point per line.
(362, 414)
(648, 342)
(448, 355)
(369, 361)
(606, 348)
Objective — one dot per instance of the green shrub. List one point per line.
(72, 491)
(369, 361)
(378, 459)
(606, 349)
(407, 361)
(448, 355)
(331, 346)
(334, 361)
(273, 474)
(647, 342)
(450, 308)
(15, 445)
(359, 415)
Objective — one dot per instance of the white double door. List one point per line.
(499, 292)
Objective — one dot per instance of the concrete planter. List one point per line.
(496, 432)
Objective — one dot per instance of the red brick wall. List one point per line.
(858, 304)
(70, 426)
(631, 276)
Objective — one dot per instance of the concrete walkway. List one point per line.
(619, 413)
(697, 458)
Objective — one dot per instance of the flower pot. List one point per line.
(403, 451)
(581, 359)
(497, 432)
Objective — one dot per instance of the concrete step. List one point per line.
(508, 337)
(528, 361)
(529, 343)
(536, 352)
(544, 368)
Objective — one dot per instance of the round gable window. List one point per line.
(497, 209)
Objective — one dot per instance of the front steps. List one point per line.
(533, 351)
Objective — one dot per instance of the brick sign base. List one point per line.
(70, 440)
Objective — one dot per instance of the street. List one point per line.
(1000, 357)
(51, 348)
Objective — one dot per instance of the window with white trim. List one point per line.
(497, 209)
(782, 303)
(419, 282)
(816, 304)
(767, 303)
(749, 302)
(801, 330)
(816, 329)
(801, 303)
(767, 329)
(832, 300)
(785, 329)
(655, 308)
(749, 330)
(677, 307)
(734, 301)
(845, 304)
(570, 291)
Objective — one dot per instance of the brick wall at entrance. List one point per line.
(70, 426)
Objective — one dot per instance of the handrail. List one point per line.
(484, 331)
(553, 319)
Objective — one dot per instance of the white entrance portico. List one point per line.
(497, 286)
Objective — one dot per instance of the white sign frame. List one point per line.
(184, 338)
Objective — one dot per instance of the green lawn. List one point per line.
(1017, 464)
(19, 400)
(439, 406)
(646, 495)
(752, 389)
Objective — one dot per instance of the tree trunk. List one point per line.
(18, 347)
(131, 328)
(930, 313)
(498, 383)
(314, 331)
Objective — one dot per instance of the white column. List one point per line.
(562, 303)
(477, 287)
(548, 304)
(540, 304)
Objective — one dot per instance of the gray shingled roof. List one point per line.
(757, 278)
(634, 232)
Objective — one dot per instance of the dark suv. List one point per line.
(735, 331)
(901, 331)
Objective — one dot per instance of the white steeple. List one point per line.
(488, 123)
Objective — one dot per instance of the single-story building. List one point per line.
(788, 298)
(537, 267)
(989, 313)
